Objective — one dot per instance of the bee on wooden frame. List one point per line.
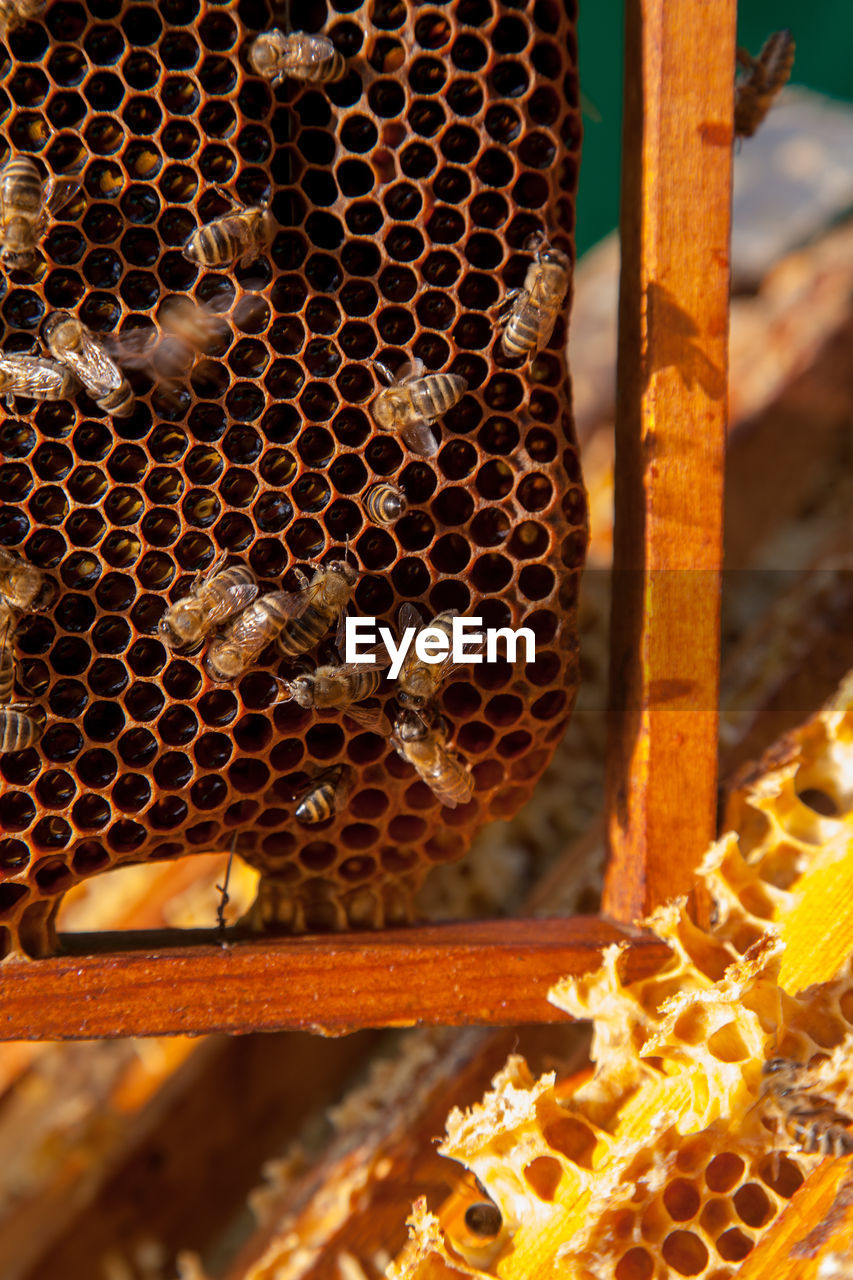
(214, 598)
(71, 343)
(811, 1122)
(27, 202)
(413, 401)
(326, 796)
(531, 312)
(425, 748)
(276, 56)
(765, 78)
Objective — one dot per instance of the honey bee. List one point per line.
(765, 78)
(213, 598)
(425, 748)
(414, 401)
(325, 797)
(385, 503)
(27, 200)
(22, 585)
(325, 600)
(237, 237)
(14, 12)
(276, 56)
(532, 311)
(18, 729)
(342, 686)
(7, 662)
(34, 377)
(244, 639)
(809, 1120)
(419, 681)
(72, 344)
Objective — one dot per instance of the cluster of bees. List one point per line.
(224, 603)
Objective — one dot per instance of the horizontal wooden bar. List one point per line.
(488, 973)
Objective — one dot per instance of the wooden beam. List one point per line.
(670, 438)
(818, 1221)
(487, 973)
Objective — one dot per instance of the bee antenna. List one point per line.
(288, 684)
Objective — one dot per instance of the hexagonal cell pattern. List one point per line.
(404, 196)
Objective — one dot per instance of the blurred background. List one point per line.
(824, 34)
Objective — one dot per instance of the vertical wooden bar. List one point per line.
(670, 438)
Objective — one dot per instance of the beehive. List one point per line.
(668, 1160)
(404, 196)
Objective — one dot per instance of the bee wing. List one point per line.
(449, 800)
(293, 603)
(316, 51)
(134, 348)
(369, 718)
(418, 436)
(546, 311)
(95, 368)
(412, 369)
(408, 615)
(380, 654)
(340, 630)
(61, 193)
(234, 601)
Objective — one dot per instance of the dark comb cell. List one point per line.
(402, 200)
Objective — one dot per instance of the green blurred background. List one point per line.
(823, 30)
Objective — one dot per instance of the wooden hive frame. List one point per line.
(661, 772)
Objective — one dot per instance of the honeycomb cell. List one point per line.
(422, 174)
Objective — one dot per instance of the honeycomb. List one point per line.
(668, 1160)
(403, 197)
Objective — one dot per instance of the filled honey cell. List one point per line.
(404, 197)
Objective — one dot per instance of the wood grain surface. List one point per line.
(487, 973)
(670, 440)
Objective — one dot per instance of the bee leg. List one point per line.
(204, 575)
(304, 670)
(227, 195)
(250, 256)
(503, 308)
(302, 580)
